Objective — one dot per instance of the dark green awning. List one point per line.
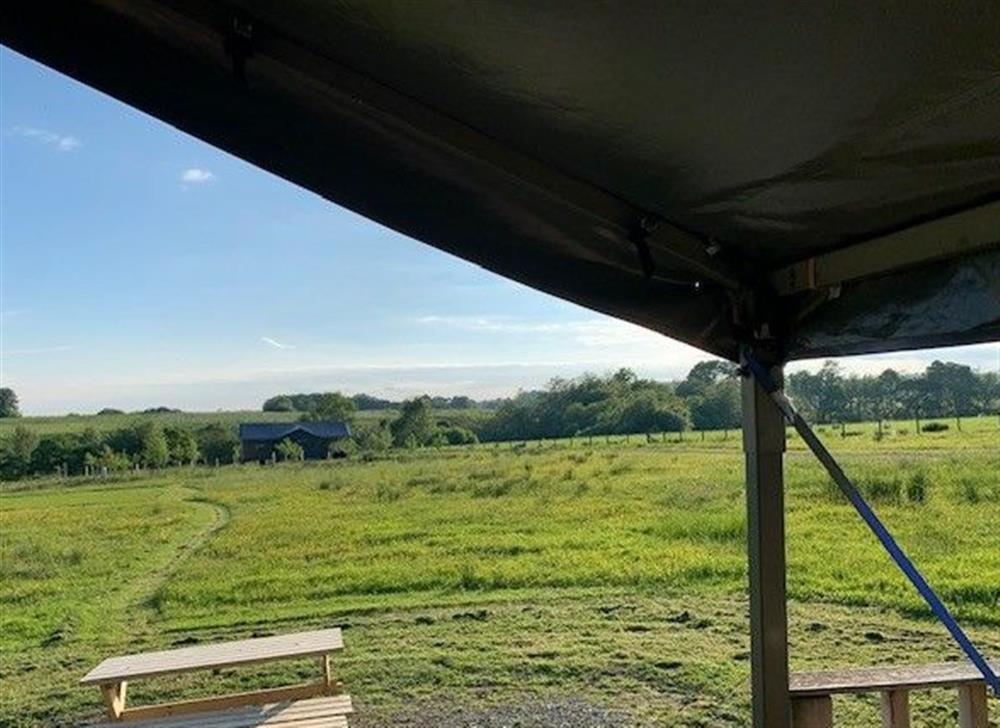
(819, 178)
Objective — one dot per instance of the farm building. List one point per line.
(258, 440)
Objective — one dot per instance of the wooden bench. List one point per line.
(811, 693)
(312, 704)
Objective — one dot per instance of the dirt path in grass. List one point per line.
(139, 601)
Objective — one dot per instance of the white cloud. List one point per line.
(41, 350)
(196, 176)
(276, 344)
(595, 332)
(62, 142)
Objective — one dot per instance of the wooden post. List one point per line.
(114, 699)
(972, 710)
(764, 446)
(327, 674)
(812, 712)
(896, 709)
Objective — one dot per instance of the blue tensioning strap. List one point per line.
(761, 374)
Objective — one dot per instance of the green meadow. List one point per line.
(608, 572)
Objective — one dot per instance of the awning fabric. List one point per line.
(816, 178)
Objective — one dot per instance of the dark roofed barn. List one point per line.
(258, 440)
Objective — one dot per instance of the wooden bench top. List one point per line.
(874, 679)
(329, 712)
(207, 657)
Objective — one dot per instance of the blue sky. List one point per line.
(143, 267)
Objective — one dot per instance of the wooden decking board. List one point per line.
(226, 654)
(874, 679)
(329, 712)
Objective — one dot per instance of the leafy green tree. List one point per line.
(374, 439)
(289, 450)
(952, 388)
(154, 451)
(458, 436)
(216, 442)
(704, 374)
(649, 411)
(16, 452)
(182, 446)
(281, 403)
(53, 453)
(108, 459)
(415, 426)
(332, 406)
(8, 403)
(717, 407)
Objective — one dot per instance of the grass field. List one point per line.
(612, 574)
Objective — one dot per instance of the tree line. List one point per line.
(365, 403)
(708, 398)
(143, 445)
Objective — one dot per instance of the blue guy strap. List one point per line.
(763, 377)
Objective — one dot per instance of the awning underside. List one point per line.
(824, 180)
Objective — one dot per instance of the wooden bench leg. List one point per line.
(114, 699)
(812, 712)
(333, 687)
(896, 709)
(972, 706)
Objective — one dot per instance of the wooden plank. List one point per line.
(814, 711)
(329, 712)
(226, 702)
(896, 709)
(946, 237)
(972, 709)
(876, 679)
(224, 654)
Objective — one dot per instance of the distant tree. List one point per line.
(458, 436)
(110, 411)
(216, 442)
(704, 374)
(281, 403)
(952, 388)
(332, 406)
(374, 439)
(182, 447)
(8, 403)
(52, 453)
(16, 452)
(648, 412)
(289, 450)
(127, 440)
(108, 459)
(161, 410)
(885, 395)
(154, 451)
(415, 426)
(717, 407)
(820, 395)
(368, 402)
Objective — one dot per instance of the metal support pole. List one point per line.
(764, 446)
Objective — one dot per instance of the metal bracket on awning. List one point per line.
(754, 368)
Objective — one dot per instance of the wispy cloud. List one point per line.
(276, 344)
(589, 332)
(62, 142)
(40, 350)
(196, 176)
